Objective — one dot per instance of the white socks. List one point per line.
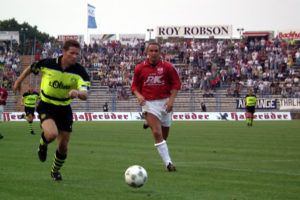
(163, 151)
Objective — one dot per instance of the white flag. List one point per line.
(91, 17)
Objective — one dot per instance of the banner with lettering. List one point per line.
(102, 37)
(62, 38)
(289, 103)
(177, 116)
(131, 39)
(194, 31)
(292, 34)
(261, 104)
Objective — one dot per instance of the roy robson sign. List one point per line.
(194, 31)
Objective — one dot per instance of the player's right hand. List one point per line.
(17, 87)
(141, 100)
(73, 94)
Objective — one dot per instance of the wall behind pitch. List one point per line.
(177, 116)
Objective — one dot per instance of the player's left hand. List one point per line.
(73, 94)
(169, 106)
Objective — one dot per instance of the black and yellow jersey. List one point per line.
(30, 98)
(250, 100)
(56, 83)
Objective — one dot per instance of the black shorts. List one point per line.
(250, 109)
(29, 110)
(62, 115)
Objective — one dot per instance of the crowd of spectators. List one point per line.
(266, 66)
(9, 65)
(269, 67)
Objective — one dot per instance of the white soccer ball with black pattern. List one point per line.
(135, 176)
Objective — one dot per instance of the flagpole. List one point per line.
(87, 22)
(87, 35)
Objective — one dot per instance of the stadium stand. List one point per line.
(214, 71)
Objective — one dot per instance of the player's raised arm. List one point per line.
(17, 85)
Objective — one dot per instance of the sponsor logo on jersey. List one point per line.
(31, 99)
(59, 85)
(154, 80)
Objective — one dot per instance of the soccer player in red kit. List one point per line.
(155, 85)
(3, 97)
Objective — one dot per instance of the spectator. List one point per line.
(203, 107)
(3, 98)
(105, 107)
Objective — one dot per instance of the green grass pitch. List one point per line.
(215, 160)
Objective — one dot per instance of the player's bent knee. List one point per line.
(50, 135)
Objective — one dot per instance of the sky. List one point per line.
(69, 17)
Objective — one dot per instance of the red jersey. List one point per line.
(3, 95)
(155, 82)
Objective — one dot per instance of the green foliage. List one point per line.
(215, 161)
(31, 31)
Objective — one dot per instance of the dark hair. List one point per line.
(153, 43)
(70, 43)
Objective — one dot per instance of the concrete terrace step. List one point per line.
(185, 101)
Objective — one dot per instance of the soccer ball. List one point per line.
(135, 176)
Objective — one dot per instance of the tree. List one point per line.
(32, 32)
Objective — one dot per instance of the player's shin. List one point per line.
(43, 140)
(30, 127)
(58, 162)
(163, 151)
